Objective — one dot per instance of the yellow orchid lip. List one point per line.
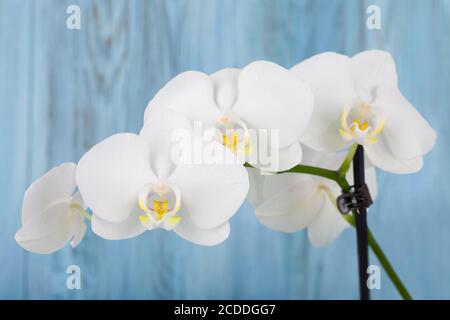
(160, 202)
(360, 124)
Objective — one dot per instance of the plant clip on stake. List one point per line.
(358, 200)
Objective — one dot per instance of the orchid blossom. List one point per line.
(291, 202)
(133, 183)
(357, 100)
(261, 96)
(52, 215)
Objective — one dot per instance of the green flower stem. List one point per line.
(387, 266)
(81, 210)
(343, 169)
(321, 172)
(339, 178)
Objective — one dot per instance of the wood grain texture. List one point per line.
(62, 91)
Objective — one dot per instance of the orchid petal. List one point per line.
(212, 193)
(190, 93)
(290, 156)
(225, 83)
(164, 132)
(291, 207)
(78, 229)
(407, 134)
(129, 228)
(111, 175)
(270, 97)
(381, 156)
(370, 69)
(188, 230)
(56, 185)
(46, 232)
(327, 225)
(330, 77)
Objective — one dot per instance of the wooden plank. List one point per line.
(65, 90)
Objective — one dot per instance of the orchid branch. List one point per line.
(343, 169)
(381, 256)
(376, 249)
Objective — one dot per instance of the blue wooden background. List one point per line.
(62, 91)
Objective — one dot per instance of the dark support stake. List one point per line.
(361, 225)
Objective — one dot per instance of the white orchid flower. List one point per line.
(51, 214)
(263, 96)
(134, 183)
(290, 202)
(358, 100)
